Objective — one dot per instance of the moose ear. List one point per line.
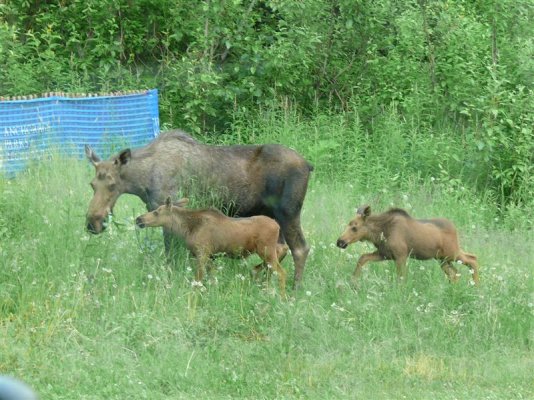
(364, 211)
(125, 156)
(168, 202)
(182, 202)
(91, 155)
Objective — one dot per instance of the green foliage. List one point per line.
(464, 67)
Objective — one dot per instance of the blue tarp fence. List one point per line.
(31, 129)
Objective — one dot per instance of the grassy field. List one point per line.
(104, 317)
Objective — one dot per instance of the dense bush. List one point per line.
(461, 67)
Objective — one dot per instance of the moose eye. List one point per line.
(155, 213)
(112, 186)
(353, 229)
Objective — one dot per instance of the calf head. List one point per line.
(161, 216)
(356, 230)
(107, 187)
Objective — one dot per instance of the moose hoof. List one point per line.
(354, 283)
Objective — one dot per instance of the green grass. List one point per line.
(104, 317)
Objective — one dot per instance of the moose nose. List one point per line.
(139, 222)
(91, 228)
(341, 244)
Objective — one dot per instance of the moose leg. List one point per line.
(202, 260)
(271, 259)
(450, 271)
(281, 252)
(400, 262)
(169, 240)
(364, 259)
(471, 261)
(294, 237)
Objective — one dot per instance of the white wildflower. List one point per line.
(338, 308)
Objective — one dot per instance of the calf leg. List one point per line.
(402, 270)
(364, 259)
(202, 260)
(471, 261)
(450, 271)
(281, 252)
(270, 257)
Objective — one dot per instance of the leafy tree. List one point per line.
(464, 65)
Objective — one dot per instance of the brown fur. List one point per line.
(209, 232)
(397, 236)
(246, 180)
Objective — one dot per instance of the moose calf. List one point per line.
(208, 232)
(397, 236)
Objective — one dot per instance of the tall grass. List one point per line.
(93, 317)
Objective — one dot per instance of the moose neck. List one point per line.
(135, 179)
(181, 222)
(376, 228)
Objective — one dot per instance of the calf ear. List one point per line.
(91, 155)
(364, 211)
(124, 157)
(182, 202)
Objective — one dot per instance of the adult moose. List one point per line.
(247, 180)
